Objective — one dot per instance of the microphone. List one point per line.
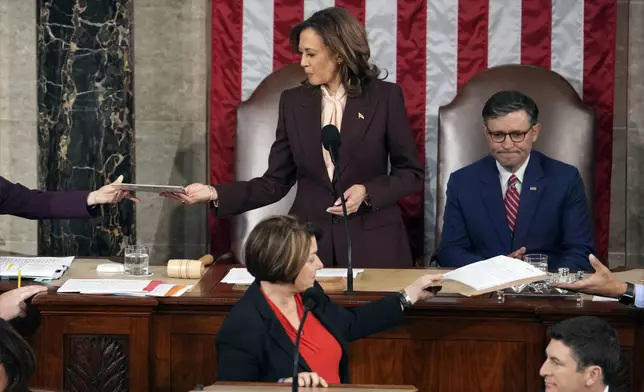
(309, 297)
(331, 143)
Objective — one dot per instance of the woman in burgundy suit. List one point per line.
(342, 89)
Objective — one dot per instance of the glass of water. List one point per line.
(137, 260)
(539, 261)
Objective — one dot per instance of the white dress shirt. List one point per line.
(504, 176)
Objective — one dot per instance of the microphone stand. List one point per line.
(308, 304)
(346, 226)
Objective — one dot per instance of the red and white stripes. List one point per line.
(430, 48)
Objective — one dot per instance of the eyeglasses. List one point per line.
(515, 136)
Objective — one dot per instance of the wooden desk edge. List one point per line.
(344, 386)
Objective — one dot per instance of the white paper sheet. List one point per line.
(103, 286)
(238, 276)
(35, 267)
(337, 272)
(493, 272)
(57, 261)
(597, 298)
(242, 276)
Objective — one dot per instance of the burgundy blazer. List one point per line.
(375, 127)
(15, 199)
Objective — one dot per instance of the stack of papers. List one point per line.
(496, 273)
(243, 277)
(134, 287)
(34, 267)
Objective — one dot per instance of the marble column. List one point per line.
(635, 138)
(171, 38)
(18, 116)
(617, 229)
(85, 106)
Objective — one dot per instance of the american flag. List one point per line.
(430, 48)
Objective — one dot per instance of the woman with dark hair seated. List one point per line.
(256, 341)
(17, 362)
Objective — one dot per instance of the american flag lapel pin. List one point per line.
(533, 188)
(360, 116)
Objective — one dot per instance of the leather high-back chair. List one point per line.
(567, 134)
(256, 124)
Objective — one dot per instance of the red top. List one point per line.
(317, 346)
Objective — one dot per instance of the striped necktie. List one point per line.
(512, 202)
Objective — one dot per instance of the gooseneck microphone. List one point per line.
(331, 143)
(309, 300)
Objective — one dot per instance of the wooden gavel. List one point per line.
(187, 268)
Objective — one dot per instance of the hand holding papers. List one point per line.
(493, 274)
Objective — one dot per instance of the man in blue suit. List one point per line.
(516, 200)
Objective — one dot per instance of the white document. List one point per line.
(337, 272)
(493, 272)
(597, 298)
(34, 267)
(238, 276)
(103, 286)
(32, 271)
(242, 276)
(150, 188)
(57, 261)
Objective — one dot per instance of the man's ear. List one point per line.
(593, 375)
(536, 131)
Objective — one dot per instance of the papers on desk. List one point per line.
(134, 287)
(243, 277)
(496, 273)
(34, 267)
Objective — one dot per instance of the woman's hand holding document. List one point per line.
(496, 273)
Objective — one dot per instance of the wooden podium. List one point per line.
(276, 387)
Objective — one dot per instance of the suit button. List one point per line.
(336, 220)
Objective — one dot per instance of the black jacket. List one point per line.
(253, 346)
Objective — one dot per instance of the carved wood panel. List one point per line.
(96, 363)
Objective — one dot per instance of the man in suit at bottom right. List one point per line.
(583, 356)
(515, 200)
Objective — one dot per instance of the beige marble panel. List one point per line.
(617, 230)
(635, 198)
(18, 164)
(635, 142)
(171, 153)
(171, 44)
(636, 66)
(18, 115)
(17, 41)
(617, 239)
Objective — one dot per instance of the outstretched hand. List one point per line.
(602, 282)
(110, 194)
(194, 193)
